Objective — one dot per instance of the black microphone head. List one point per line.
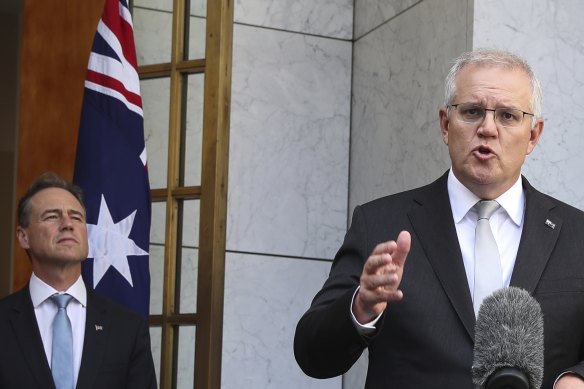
(508, 334)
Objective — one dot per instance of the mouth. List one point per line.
(483, 151)
(67, 240)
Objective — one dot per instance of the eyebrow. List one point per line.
(60, 212)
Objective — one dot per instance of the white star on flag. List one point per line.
(109, 244)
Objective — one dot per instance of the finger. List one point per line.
(369, 298)
(404, 243)
(385, 281)
(375, 263)
(385, 247)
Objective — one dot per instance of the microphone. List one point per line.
(508, 348)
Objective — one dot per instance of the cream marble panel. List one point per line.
(370, 14)
(156, 261)
(189, 272)
(152, 34)
(330, 18)
(164, 5)
(264, 299)
(156, 101)
(194, 130)
(289, 143)
(397, 90)
(156, 347)
(198, 7)
(158, 223)
(185, 375)
(549, 35)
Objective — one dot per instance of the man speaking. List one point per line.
(480, 227)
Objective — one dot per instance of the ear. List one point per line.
(22, 237)
(444, 121)
(534, 136)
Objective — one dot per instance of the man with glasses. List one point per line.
(413, 301)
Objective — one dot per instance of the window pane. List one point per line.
(158, 223)
(156, 278)
(185, 377)
(189, 266)
(163, 5)
(152, 33)
(156, 100)
(196, 33)
(199, 8)
(194, 130)
(155, 346)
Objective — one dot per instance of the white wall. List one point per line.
(550, 35)
(288, 180)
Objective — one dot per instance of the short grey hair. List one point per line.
(494, 57)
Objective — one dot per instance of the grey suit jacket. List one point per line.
(426, 340)
(116, 348)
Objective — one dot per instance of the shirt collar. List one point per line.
(462, 200)
(40, 291)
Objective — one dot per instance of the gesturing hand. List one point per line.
(380, 279)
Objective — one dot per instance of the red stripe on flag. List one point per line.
(122, 30)
(112, 83)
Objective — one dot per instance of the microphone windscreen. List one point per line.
(509, 333)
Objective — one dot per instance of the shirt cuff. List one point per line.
(367, 328)
(563, 374)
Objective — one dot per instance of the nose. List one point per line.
(66, 223)
(488, 127)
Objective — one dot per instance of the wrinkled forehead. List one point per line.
(504, 80)
(54, 199)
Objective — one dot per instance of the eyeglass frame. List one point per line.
(494, 111)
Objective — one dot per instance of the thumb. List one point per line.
(404, 242)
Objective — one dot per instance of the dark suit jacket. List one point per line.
(116, 348)
(426, 339)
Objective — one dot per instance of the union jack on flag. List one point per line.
(111, 165)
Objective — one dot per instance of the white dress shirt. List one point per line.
(506, 223)
(45, 311)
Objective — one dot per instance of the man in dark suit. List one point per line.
(110, 345)
(410, 301)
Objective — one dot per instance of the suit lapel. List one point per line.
(96, 332)
(26, 331)
(541, 230)
(433, 223)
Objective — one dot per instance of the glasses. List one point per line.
(475, 114)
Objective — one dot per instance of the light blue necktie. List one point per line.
(62, 354)
(488, 273)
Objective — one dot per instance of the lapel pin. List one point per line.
(98, 328)
(550, 224)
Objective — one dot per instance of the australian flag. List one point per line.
(111, 165)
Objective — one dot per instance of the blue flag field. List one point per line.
(111, 165)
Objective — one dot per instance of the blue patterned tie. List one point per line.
(62, 354)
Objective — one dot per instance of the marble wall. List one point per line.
(549, 35)
(399, 67)
(288, 180)
(288, 174)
